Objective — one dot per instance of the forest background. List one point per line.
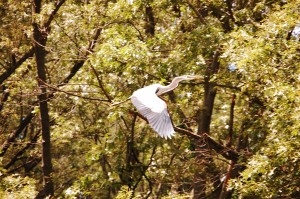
(63, 63)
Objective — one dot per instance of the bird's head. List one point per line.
(174, 83)
(189, 77)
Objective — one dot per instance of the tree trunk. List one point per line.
(224, 193)
(150, 22)
(40, 39)
(204, 120)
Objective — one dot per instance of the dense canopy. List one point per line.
(64, 62)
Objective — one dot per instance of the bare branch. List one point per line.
(16, 65)
(109, 98)
(230, 123)
(14, 134)
(80, 63)
(51, 17)
(20, 152)
(72, 94)
(200, 17)
(4, 97)
(226, 152)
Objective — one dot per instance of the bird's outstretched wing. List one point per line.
(154, 109)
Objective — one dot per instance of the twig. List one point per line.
(226, 152)
(101, 84)
(231, 118)
(200, 17)
(121, 102)
(72, 94)
(17, 132)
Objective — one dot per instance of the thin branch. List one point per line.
(224, 191)
(200, 17)
(80, 63)
(17, 132)
(17, 64)
(159, 191)
(101, 84)
(121, 102)
(4, 97)
(20, 152)
(51, 17)
(226, 152)
(230, 123)
(72, 73)
(130, 23)
(71, 93)
(229, 7)
(125, 123)
(27, 165)
(63, 186)
(94, 40)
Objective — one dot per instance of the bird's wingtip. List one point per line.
(168, 135)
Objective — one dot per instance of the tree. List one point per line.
(40, 34)
(68, 61)
(273, 84)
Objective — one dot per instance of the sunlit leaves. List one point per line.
(267, 62)
(16, 186)
(99, 148)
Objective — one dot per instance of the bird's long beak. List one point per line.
(195, 77)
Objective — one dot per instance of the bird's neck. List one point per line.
(171, 86)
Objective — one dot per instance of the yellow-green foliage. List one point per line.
(15, 187)
(125, 193)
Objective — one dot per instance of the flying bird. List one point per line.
(153, 108)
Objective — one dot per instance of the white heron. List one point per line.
(153, 108)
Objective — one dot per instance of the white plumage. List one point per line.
(148, 103)
(154, 109)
